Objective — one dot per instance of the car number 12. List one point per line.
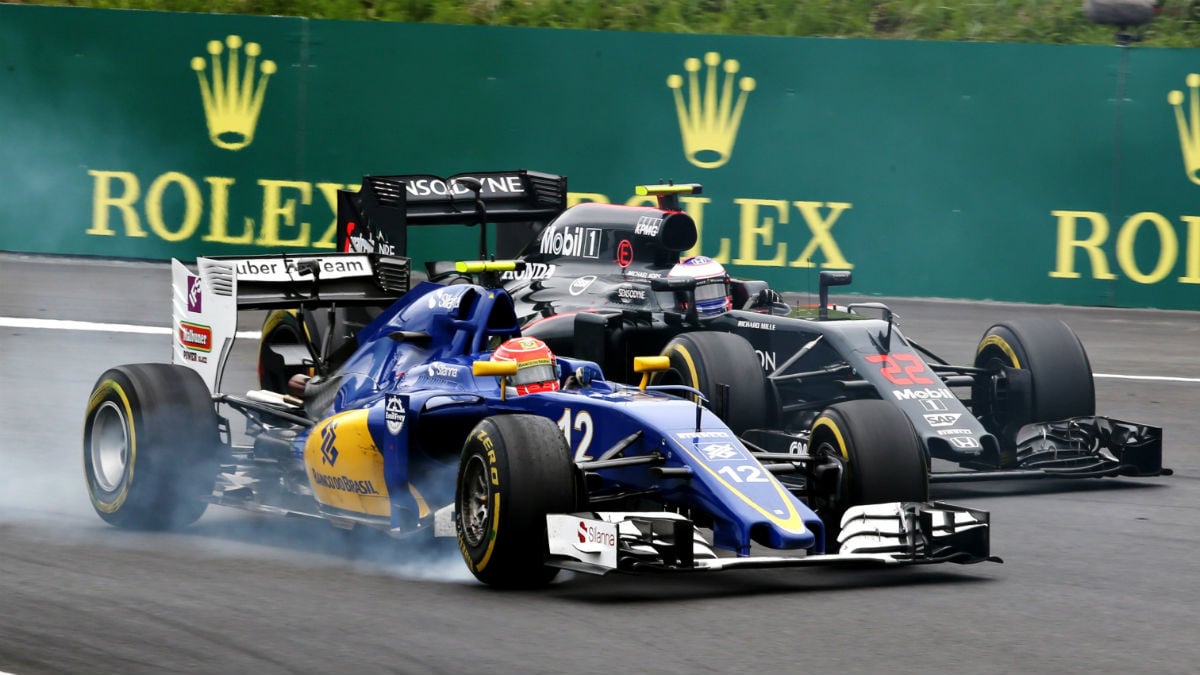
(583, 424)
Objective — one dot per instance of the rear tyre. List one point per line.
(709, 362)
(1057, 383)
(150, 446)
(882, 456)
(514, 470)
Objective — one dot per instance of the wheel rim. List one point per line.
(475, 511)
(109, 446)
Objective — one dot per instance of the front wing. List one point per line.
(871, 535)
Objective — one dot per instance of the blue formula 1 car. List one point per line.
(420, 431)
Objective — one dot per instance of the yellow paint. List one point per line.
(354, 481)
(131, 463)
(1001, 344)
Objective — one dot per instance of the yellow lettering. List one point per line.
(1192, 255)
(1065, 253)
(103, 200)
(1167, 252)
(193, 206)
(574, 198)
(751, 228)
(821, 238)
(329, 192)
(218, 215)
(279, 213)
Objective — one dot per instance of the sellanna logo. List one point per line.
(1189, 126)
(232, 100)
(708, 123)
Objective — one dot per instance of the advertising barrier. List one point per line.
(1040, 173)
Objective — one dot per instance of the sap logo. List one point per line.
(394, 414)
(947, 420)
(581, 284)
(571, 240)
(718, 452)
(648, 225)
(920, 394)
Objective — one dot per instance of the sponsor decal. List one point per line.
(344, 483)
(708, 115)
(921, 394)
(445, 299)
(194, 357)
(702, 434)
(571, 240)
(490, 185)
(581, 284)
(760, 325)
(444, 370)
(766, 359)
(625, 253)
(359, 242)
(720, 452)
(640, 274)
(965, 442)
(195, 336)
(933, 405)
(798, 447)
(648, 225)
(590, 534)
(629, 294)
(329, 451)
(954, 432)
(394, 414)
(233, 98)
(286, 269)
(532, 272)
(194, 297)
(946, 420)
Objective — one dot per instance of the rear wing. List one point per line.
(205, 304)
(375, 219)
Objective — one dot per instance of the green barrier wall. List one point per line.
(1036, 173)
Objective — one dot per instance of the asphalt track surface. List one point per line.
(1099, 576)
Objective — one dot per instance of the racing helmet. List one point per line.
(537, 369)
(712, 284)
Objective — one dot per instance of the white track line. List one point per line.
(62, 324)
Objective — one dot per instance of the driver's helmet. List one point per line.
(712, 284)
(537, 369)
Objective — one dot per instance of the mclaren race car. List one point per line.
(424, 429)
(594, 281)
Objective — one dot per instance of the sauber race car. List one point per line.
(595, 281)
(427, 427)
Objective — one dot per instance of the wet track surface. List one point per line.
(1098, 575)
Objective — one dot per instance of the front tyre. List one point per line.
(882, 457)
(150, 446)
(514, 471)
(724, 368)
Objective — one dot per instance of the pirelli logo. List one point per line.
(195, 337)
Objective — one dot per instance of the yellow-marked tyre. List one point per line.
(150, 446)
(882, 455)
(514, 470)
(281, 327)
(1056, 382)
(724, 367)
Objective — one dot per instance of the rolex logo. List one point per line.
(232, 98)
(709, 119)
(1189, 126)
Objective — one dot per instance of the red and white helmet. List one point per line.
(537, 369)
(712, 284)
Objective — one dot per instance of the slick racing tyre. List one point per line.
(282, 333)
(882, 456)
(514, 470)
(1055, 382)
(710, 362)
(150, 446)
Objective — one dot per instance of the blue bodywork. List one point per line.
(413, 368)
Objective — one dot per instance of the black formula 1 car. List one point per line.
(421, 430)
(593, 282)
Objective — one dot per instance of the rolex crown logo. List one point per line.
(232, 98)
(1189, 126)
(709, 119)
